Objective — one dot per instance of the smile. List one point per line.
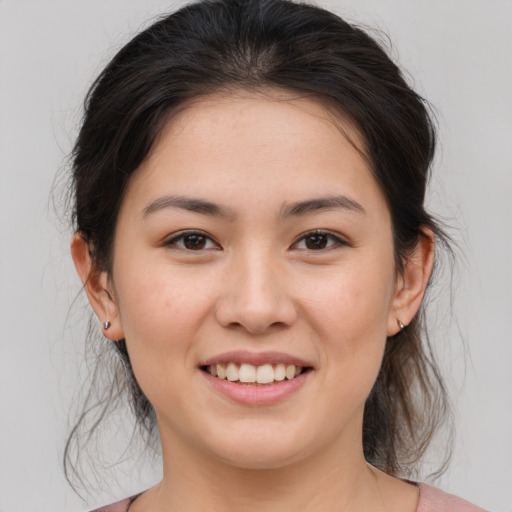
(256, 379)
(246, 373)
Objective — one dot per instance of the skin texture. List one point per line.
(256, 283)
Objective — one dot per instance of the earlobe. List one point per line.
(412, 283)
(98, 289)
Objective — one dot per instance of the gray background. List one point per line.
(459, 54)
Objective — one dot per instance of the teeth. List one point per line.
(232, 372)
(265, 374)
(248, 373)
(290, 371)
(279, 372)
(221, 371)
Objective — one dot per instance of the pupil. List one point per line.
(318, 241)
(194, 242)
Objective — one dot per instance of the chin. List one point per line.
(259, 460)
(261, 450)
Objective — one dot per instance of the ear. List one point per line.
(412, 282)
(98, 288)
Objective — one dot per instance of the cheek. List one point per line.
(349, 313)
(161, 313)
(355, 299)
(155, 299)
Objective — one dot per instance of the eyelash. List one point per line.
(318, 232)
(181, 237)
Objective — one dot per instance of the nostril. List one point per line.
(255, 311)
(254, 328)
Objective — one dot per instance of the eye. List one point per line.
(192, 241)
(317, 241)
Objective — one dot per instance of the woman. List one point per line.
(249, 182)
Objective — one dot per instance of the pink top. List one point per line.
(431, 500)
(435, 500)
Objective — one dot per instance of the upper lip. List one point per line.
(255, 358)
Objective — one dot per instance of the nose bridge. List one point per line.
(257, 278)
(255, 293)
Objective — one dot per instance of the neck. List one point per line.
(336, 478)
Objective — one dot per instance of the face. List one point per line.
(255, 241)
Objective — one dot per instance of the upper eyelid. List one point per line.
(180, 234)
(185, 232)
(336, 236)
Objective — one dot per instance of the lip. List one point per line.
(248, 394)
(256, 358)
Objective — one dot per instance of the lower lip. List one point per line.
(257, 395)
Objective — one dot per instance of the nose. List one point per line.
(255, 295)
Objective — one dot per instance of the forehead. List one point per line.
(292, 145)
(294, 113)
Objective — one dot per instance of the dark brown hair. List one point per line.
(227, 45)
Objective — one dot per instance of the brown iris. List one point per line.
(194, 241)
(316, 241)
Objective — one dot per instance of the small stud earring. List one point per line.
(106, 325)
(400, 324)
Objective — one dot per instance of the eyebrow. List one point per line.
(296, 209)
(321, 204)
(190, 204)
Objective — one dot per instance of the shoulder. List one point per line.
(118, 506)
(434, 500)
(431, 500)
